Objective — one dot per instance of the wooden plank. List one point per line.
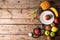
(24, 3)
(16, 37)
(58, 33)
(56, 38)
(18, 29)
(19, 37)
(53, 38)
(19, 21)
(16, 13)
(19, 3)
(23, 37)
(43, 37)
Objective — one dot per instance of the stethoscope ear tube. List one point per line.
(35, 36)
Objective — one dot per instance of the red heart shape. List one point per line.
(36, 31)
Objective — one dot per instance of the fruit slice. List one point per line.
(55, 11)
(54, 29)
(52, 34)
(45, 5)
(47, 32)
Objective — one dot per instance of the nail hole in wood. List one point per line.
(3, 0)
(18, 1)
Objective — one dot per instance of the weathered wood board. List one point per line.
(16, 13)
(19, 21)
(16, 19)
(56, 38)
(18, 29)
(16, 37)
(24, 37)
(19, 3)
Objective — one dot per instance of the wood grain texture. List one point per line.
(58, 33)
(19, 21)
(16, 19)
(24, 37)
(18, 29)
(16, 13)
(16, 37)
(19, 3)
(56, 38)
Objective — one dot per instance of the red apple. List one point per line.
(56, 20)
(47, 17)
(36, 31)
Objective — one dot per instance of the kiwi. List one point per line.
(48, 38)
(48, 28)
(52, 24)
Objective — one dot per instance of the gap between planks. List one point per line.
(24, 37)
(16, 37)
(16, 13)
(18, 29)
(19, 21)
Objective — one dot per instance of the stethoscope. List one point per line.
(37, 31)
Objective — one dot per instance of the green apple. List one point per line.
(54, 29)
(52, 34)
(47, 32)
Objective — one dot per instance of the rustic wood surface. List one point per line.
(16, 20)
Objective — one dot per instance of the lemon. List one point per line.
(54, 29)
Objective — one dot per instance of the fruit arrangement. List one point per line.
(50, 31)
(49, 17)
(50, 28)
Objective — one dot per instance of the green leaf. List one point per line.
(35, 11)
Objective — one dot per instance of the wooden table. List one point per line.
(16, 20)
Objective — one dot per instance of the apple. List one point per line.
(47, 32)
(52, 34)
(48, 28)
(36, 31)
(54, 29)
(47, 17)
(56, 20)
(48, 38)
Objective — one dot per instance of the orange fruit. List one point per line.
(45, 5)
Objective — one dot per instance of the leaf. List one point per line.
(35, 11)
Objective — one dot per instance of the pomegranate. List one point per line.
(56, 20)
(47, 17)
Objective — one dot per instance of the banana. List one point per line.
(55, 11)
